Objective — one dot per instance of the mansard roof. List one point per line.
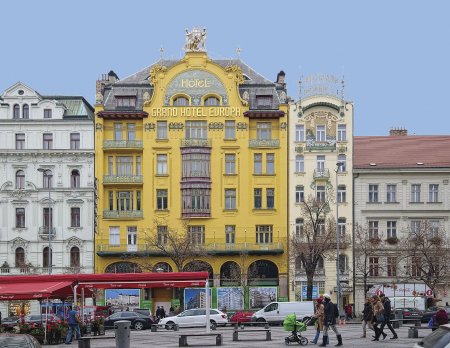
(76, 107)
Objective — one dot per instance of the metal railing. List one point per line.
(321, 174)
(44, 232)
(122, 144)
(123, 179)
(123, 214)
(255, 143)
(39, 270)
(196, 143)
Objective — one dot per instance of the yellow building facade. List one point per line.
(197, 146)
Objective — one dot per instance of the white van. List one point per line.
(276, 312)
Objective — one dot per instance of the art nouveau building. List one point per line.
(320, 135)
(46, 183)
(400, 180)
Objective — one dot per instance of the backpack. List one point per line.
(336, 310)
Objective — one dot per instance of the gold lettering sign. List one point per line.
(195, 83)
(196, 112)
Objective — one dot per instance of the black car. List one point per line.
(18, 340)
(138, 321)
(10, 321)
(430, 311)
(41, 318)
(143, 311)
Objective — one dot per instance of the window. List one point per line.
(181, 101)
(270, 163)
(257, 198)
(111, 200)
(257, 163)
(342, 132)
(230, 130)
(20, 141)
(391, 263)
(48, 218)
(264, 101)
(197, 234)
(299, 225)
(47, 141)
(299, 194)
(230, 163)
(138, 200)
(118, 134)
(114, 235)
(196, 130)
(124, 200)
(341, 194)
(138, 165)
(320, 160)
(415, 226)
(47, 257)
(230, 198)
(196, 165)
(416, 265)
(270, 198)
(320, 230)
(299, 164)
(47, 179)
(16, 111)
(373, 266)
(124, 166)
(75, 257)
(299, 132)
(433, 193)
(264, 234)
(20, 258)
(25, 111)
(161, 129)
(341, 226)
(415, 193)
(75, 179)
(20, 217)
(20, 179)
(343, 263)
(162, 235)
(264, 131)
(373, 193)
(230, 234)
(161, 168)
(320, 194)
(212, 101)
(74, 141)
(47, 113)
(196, 201)
(342, 159)
(128, 101)
(131, 235)
(161, 199)
(373, 229)
(75, 217)
(110, 165)
(391, 229)
(131, 131)
(434, 228)
(391, 193)
(320, 133)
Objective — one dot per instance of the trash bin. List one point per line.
(122, 329)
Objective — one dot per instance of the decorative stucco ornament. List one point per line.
(195, 40)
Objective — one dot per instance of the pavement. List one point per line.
(350, 334)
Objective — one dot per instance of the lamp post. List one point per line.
(338, 280)
(46, 173)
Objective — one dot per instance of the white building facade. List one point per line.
(46, 185)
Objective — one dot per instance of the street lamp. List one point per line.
(339, 165)
(46, 173)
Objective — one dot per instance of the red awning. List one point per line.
(34, 290)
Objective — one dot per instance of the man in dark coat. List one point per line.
(329, 321)
(387, 317)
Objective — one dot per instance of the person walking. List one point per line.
(319, 315)
(158, 313)
(367, 316)
(378, 313)
(74, 325)
(163, 312)
(348, 312)
(329, 321)
(387, 315)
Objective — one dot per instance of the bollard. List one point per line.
(122, 329)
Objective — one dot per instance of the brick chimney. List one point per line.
(398, 132)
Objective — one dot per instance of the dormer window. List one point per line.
(128, 101)
(181, 101)
(25, 111)
(212, 101)
(47, 113)
(264, 101)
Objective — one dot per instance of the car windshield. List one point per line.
(432, 339)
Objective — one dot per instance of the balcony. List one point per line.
(44, 233)
(196, 143)
(323, 174)
(196, 212)
(264, 143)
(122, 144)
(123, 179)
(123, 214)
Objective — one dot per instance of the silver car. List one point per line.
(437, 339)
(196, 317)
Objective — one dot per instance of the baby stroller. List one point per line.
(296, 327)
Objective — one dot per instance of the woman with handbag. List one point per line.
(378, 312)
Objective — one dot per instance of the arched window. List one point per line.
(181, 101)
(20, 179)
(343, 160)
(47, 257)
(47, 179)
(16, 111)
(162, 267)
(20, 257)
(74, 257)
(75, 179)
(25, 111)
(212, 101)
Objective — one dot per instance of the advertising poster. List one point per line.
(122, 299)
(261, 296)
(196, 298)
(230, 298)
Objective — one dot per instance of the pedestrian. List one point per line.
(158, 313)
(367, 316)
(378, 313)
(171, 312)
(163, 312)
(329, 321)
(441, 317)
(74, 325)
(387, 315)
(348, 312)
(318, 315)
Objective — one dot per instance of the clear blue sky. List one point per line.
(394, 54)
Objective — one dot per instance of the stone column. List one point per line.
(283, 285)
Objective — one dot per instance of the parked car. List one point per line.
(138, 321)
(430, 311)
(437, 339)
(275, 312)
(196, 317)
(41, 318)
(241, 317)
(10, 321)
(408, 313)
(18, 340)
(143, 311)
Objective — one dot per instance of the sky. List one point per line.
(394, 54)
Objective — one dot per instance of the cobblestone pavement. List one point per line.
(350, 333)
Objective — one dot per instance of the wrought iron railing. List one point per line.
(123, 214)
(255, 143)
(123, 179)
(321, 174)
(196, 143)
(44, 232)
(122, 144)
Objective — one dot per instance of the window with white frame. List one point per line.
(270, 163)
(75, 179)
(161, 130)
(264, 131)
(391, 262)
(391, 193)
(374, 266)
(343, 263)
(320, 160)
(299, 225)
(110, 165)
(415, 226)
(230, 198)
(230, 163)
(74, 141)
(161, 199)
(196, 130)
(342, 222)
(433, 193)
(321, 133)
(341, 194)
(299, 164)
(257, 198)
(299, 194)
(20, 141)
(124, 165)
(20, 179)
(257, 163)
(415, 193)
(118, 134)
(320, 231)
(75, 217)
(299, 132)
(391, 228)
(373, 193)
(230, 234)
(230, 130)
(270, 198)
(197, 234)
(434, 228)
(20, 217)
(161, 164)
(47, 139)
(264, 234)
(342, 159)
(131, 131)
(373, 229)
(114, 235)
(131, 235)
(320, 194)
(124, 200)
(181, 101)
(342, 132)
(162, 235)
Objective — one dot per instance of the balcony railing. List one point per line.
(123, 179)
(258, 143)
(193, 212)
(40, 270)
(196, 143)
(123, 214)
(122, 144)
(44, 233)
(323, 174)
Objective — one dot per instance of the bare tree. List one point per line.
(428, 254)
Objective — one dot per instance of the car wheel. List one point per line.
(260, 320)
(138, 325)
(170, 325)
(213, 325)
